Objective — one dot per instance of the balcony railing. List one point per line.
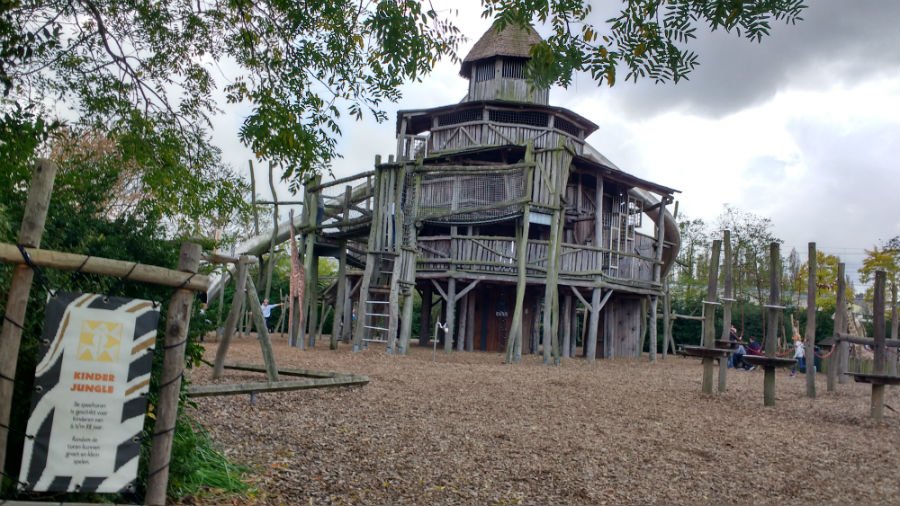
(497, 255)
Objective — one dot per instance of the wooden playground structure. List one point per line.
(499, 207)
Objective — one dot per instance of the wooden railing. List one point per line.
(497, 255)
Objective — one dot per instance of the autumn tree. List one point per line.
(886, 258)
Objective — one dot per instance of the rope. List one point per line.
(42, 280)
(14, 323)
(833, 347)
(121, 282)
(186, 281)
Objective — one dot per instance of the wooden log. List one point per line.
(772, 322)
(231, 322)
(177, 322)
(425, 319)
(567, 326)
(30, 233)
(451, 315)
(709, 313)
(470, 323)
(463, 318)
(667, 319)
(726, 306)
(878, 330)
(811, 324)
(270, 262)
(270, 386)
(262, 333)
(840, 315)
(311, 265)
(9, 253)
(843, 347)
(514, 341)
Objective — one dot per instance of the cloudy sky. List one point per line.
(803, 128)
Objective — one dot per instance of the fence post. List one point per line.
(177, 321)
(11, 335)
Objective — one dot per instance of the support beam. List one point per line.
(727, 300)
(451, 315)
(178, 318)
(231, 322)
(709, 312)
(811, 323)
(425, 319)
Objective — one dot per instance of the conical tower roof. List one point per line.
(513, 40)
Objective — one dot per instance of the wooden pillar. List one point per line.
(177, 322)
(425, 323)
(843, 347)
(879, 365)
(231, 322)
(840, 318)
(262, 333)
(727, 299)
(451, 315)
(591, 346)
(270, 262)
(709, 314)
(30, 233)
(470, 322)
(312, 299)
(567, 326)
(892, 352)
(811, 324)
(338, 326)
(463, 317)
(516, 337)
(667, 318)
(772, 322)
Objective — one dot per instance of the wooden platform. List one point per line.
(764, 361)
(704, 352)
(875, 379)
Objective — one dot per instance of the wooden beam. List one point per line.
(709, 312)
(811, 323)
(262, 333)
(277, 386)
(584, 302)
(231, 322)
(107, 267)
(467, 289)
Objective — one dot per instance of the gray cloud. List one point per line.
(838, 42)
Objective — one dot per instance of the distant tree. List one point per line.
(793, 280)
(751, 236)
(886, 258)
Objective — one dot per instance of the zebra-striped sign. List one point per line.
(89, 399)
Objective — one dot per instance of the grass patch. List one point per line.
(198, 468)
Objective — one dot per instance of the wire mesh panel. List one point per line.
(470, 196)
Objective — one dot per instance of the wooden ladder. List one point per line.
(378, 324)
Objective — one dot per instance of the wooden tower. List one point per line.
(499, 206)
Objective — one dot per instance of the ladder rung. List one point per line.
(378, 302)
(378, 314)
(375, 340)
(376, 328)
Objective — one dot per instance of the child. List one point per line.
(799, 355)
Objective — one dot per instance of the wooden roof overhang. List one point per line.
(581, 162)
(420, 119)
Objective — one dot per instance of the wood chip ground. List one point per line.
(467, 429)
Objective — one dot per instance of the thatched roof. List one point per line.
(513, 40)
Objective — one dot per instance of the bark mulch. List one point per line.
(467, 429)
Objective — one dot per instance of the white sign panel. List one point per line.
(89, 397)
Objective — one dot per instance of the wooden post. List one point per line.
(879, 360)
(337, 329)
(843, 347)
(709, 314)
(840, 319)
(470, 323)
(262, 333)
(892, 352)
(270, 262)
(667, 318)
(567, 326)
(30, 232)
(514, 342)
(811, 324)
(177, 322)
(231, 322)
(253, 199)
(591, 346)
(726, 307)
(772, 322)
(425, 319)
(451, 315)
(463, 317)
